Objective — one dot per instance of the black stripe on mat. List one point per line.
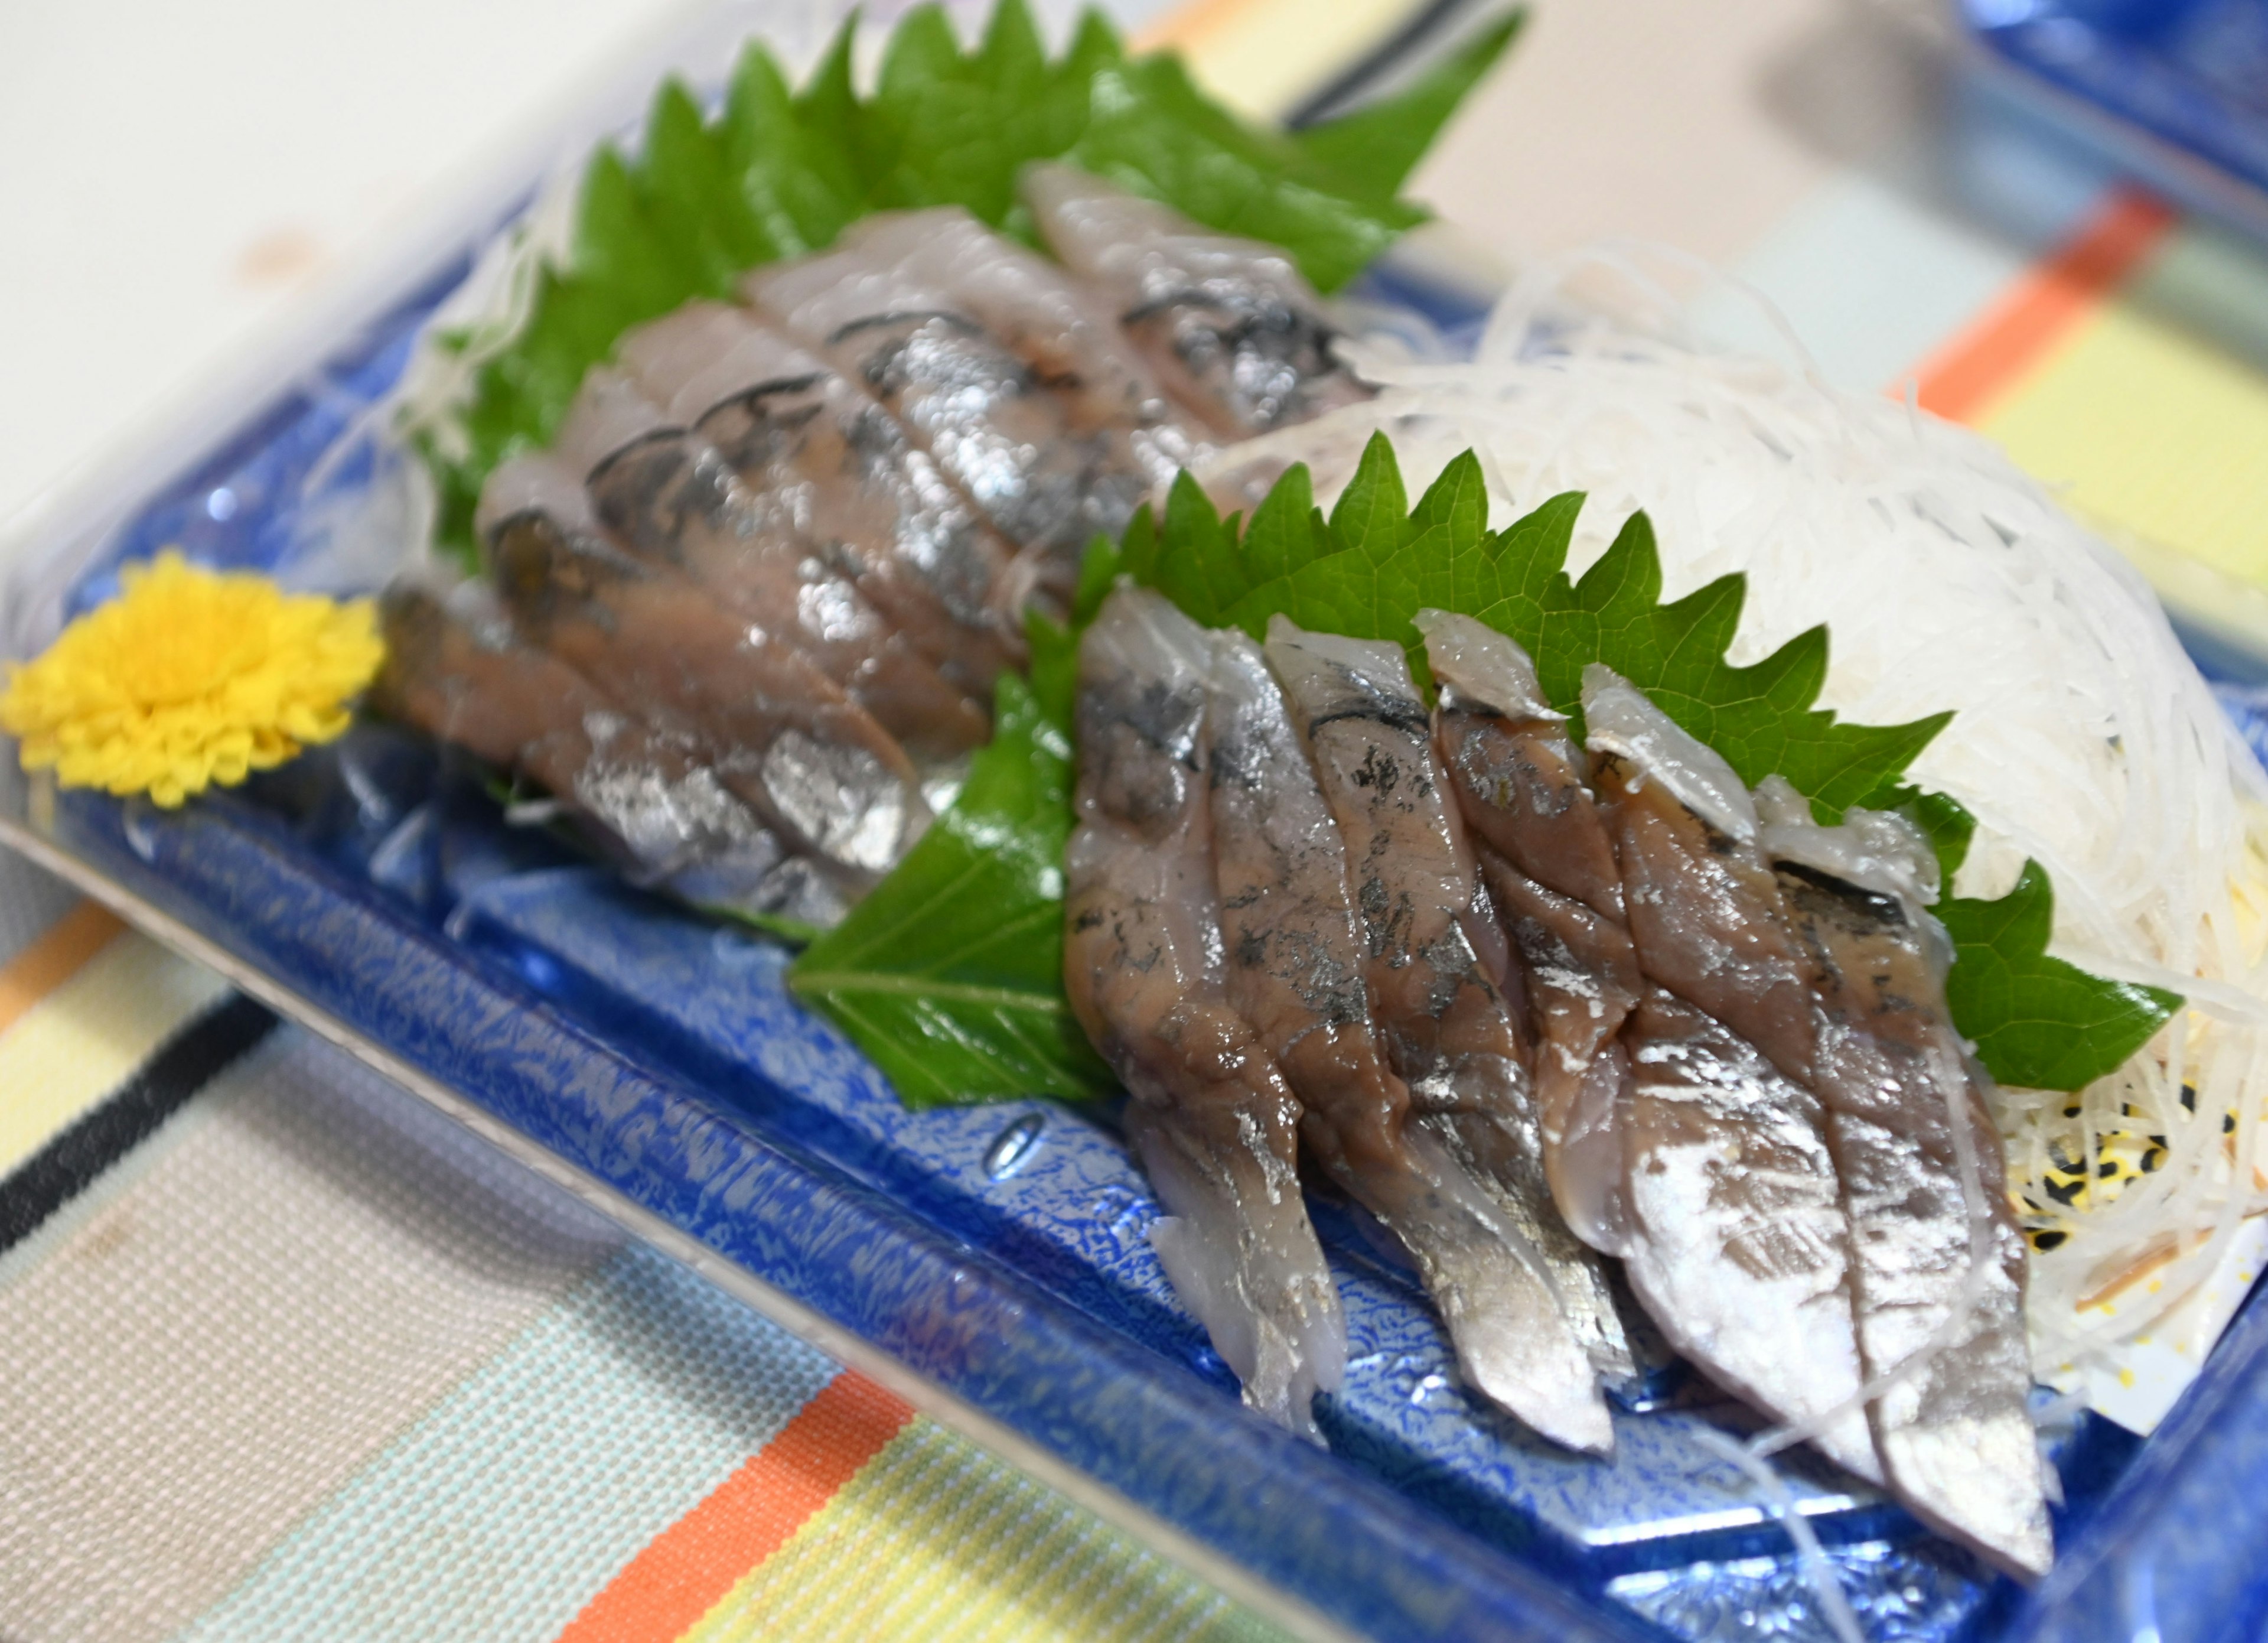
(1343, 94)
(90, 1144)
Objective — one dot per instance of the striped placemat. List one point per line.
(286, 1354)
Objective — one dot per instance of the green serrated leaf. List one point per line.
(1376, 561)
(779, 174)
(1377, 147)
(705, 227)
(2038, 1021)
(949, 974)
(1365, 570)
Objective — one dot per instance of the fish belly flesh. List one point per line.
(1449, 1031)
(1296, 956)
(1924, 1177)
(1735, 1234)
(1215, 1122)
(1230, 326)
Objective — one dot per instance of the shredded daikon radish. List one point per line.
(2083, 735)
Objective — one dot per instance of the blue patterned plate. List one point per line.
(993, 1263)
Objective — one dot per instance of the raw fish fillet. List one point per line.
(1519, 776)
(1296, 953)
(1955, 1434)
(669, 496)
(1216, 1125)
(1704, 907)
(1229, 325)
(462, 677)
(1449, 1031)
(1732, 1229)
(1550, 868)
(873, 504)
(1022, 390)
(814, 765)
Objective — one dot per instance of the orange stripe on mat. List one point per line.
(54, 958)
(688, 1569)
(1186, 24)
(2044, 307)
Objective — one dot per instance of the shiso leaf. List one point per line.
(949, 976)
(1376, 562)
(775, 174)
(1365, 570)
(2038, 1021)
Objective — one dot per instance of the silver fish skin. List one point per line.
(1450, 1034)
(1703, 908)
(1956, 1432)
(454, 669)
(1733, 1232)
(1296, 957)
(1550, 866)
(1216, 1125)
(816, 768)
(669, 495)
(997, 364)
(1230, 326)
(874, 504)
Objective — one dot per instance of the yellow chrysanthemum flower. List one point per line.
(189, 678)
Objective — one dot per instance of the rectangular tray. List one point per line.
(993, 1263)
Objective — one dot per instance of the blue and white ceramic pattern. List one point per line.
(1001, 1251)
(2189, 77)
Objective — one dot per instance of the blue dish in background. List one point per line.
(2176, 91)
(1000, 1252)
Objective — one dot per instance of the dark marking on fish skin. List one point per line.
(1251, 950)
(1871, 904)
(1406, 717)
(1387, 920)
(768, 434)
(651, 436)
(764, 390)
(1163, 718)
(873, 440)
(1262, 355)
(544, 570)
(1088, 920)
(913, 316)
(1379, 769)
(1239, 764)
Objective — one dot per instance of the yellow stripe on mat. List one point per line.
(95, 1026)
(934, 1539)
(2157, 424)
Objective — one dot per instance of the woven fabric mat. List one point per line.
(286, 1354)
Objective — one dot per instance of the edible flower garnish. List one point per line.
(188, 678)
